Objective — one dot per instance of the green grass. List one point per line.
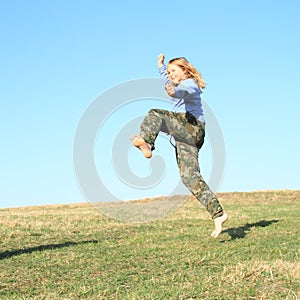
(74, 252)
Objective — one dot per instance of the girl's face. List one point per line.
(176, 74)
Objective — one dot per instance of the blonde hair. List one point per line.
(191, 71)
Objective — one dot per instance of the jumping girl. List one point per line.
(184, 84)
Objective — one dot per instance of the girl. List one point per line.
(184, 84)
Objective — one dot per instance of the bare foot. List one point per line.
(218, 225)
(140, 143)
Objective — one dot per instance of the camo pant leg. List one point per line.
(188, 164)
(166, 121)
(189, 139)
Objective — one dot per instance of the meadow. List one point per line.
(75, 252)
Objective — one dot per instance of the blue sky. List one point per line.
(57, 57)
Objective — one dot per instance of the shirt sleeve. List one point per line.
(163, 74)
(185, 89)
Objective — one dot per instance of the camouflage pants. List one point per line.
(188, 133)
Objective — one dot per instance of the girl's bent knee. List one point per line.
(153, 110)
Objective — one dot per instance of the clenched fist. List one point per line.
(170, 90)
(160, 60)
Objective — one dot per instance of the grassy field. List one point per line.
(74, 252)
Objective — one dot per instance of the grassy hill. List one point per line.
(75, 252)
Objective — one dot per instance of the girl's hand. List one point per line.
(170, 90)
(160, 60)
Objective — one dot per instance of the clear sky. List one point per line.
(57, 57)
